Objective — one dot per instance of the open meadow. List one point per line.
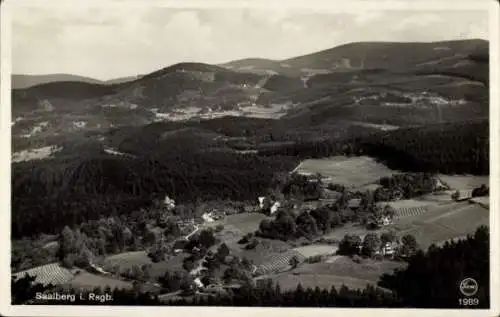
(89, 281)
(464, 181)
(245, 222)
(316, 250)
(341, 271)
(444, 222)
(127, 260)
(348, 171)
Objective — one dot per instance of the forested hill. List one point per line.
(454, 148)
(96, 187)
(186, 130)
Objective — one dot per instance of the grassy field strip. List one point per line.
(452, 222)
(323, 281)
(464, 181)
(314, 250)
(52, 273)
(128, 259)
(451, 212)
(89, 281)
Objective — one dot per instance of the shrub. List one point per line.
(252, 245)
(219, 228)
(315, 259)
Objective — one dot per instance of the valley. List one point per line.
(334, 171)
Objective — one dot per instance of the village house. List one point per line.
(169, 203)
(198, 283)
(388, 249)
(208, 217)
(274, 207)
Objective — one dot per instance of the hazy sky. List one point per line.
(106, 43)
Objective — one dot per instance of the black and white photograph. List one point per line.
(202, 154)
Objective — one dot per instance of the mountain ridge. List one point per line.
(442, 81)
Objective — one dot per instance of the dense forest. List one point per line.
(446, 148)
(431, 280)
(68, 193)
(75, 190)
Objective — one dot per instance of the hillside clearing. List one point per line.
(341, 271)
(316, 249)
(348, 171)
(323, 281)
(464, 181)
(127, 260)
(447, 222)
(88, 281)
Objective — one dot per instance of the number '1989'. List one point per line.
(468, 301)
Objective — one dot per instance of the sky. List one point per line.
(106, 43)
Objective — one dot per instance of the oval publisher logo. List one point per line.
(469, 286)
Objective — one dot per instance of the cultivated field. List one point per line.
(52, 273)
(464, 181)
(348, 171)
(410, 207)
(85, 280)
(278, 262)
(262, 253)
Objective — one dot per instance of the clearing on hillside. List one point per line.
(127, 260)
(288, 281)
(447, 222)
(464, 181)
(316, 249)
(341, 271)
(245, 222)
(89, 281)
(348, 171)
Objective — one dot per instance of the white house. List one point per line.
(275, 207)
(261, 201)
(207, 217)
(197, 282)
(384, 220)
(169, 203)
